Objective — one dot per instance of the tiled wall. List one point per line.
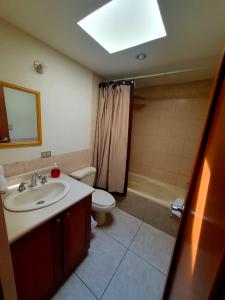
(149, 211)
(67, 163)
(166, 129)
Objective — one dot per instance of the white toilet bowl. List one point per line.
(102, 201)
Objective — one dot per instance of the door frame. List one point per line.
(214, 96)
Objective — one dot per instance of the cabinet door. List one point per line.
(76, 234)
(34, 264)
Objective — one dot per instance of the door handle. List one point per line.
(58, 221)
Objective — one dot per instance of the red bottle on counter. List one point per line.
(55, 172)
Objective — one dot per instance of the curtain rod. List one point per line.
(114, 83)
(165, 73)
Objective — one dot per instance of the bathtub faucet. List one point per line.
(176, 207)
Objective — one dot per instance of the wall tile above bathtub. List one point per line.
(166, 130)
(67, 163)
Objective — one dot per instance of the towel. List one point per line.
(3, 182)
(93, 223)
(177, 202)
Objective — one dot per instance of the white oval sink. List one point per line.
(38, 197)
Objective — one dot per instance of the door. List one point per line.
(33, 259)
(76, 234)
(197, 268)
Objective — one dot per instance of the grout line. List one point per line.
(147, 262)
(120, 262)
(75, 274)
(113, 238)
(128, 247)
(126, 214)
(125, 246)
(165, 274)
(126, 250)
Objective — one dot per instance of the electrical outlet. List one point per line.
(46, 154)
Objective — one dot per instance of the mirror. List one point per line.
(20, 116)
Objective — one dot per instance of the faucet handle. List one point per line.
(22, 187)
(43, 180)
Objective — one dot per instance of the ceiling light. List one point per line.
(122, 24)
(141, 56)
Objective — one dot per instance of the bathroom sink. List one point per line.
(37, 197)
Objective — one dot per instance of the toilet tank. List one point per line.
(85, 175)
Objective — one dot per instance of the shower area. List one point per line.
(167, 122)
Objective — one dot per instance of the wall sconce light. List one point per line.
(40, 67)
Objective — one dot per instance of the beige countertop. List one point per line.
(20, 223)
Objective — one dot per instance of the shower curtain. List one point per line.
(112, 139)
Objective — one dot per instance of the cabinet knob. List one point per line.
(58, 221)
(67, 214)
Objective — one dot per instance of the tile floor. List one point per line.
(128, 259)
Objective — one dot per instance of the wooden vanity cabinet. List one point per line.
(46, 256)
(76, 239)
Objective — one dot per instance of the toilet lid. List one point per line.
(102, 198)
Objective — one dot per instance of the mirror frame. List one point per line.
(38, 110)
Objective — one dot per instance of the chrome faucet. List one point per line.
(34, 178)
(179, 208)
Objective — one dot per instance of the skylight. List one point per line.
(122, 24)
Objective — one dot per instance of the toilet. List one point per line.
(102, 201)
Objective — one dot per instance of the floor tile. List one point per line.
(154, 246)
(121, 226)
(135, 279)
(99, 266)
(74, 289)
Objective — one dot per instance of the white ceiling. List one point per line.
(195, 36)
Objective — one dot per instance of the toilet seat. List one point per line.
(102, 199)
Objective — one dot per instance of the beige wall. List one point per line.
(66, 161)
(68, 94)
(167, 125)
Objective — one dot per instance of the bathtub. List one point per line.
(154, 190)
(150, 200)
